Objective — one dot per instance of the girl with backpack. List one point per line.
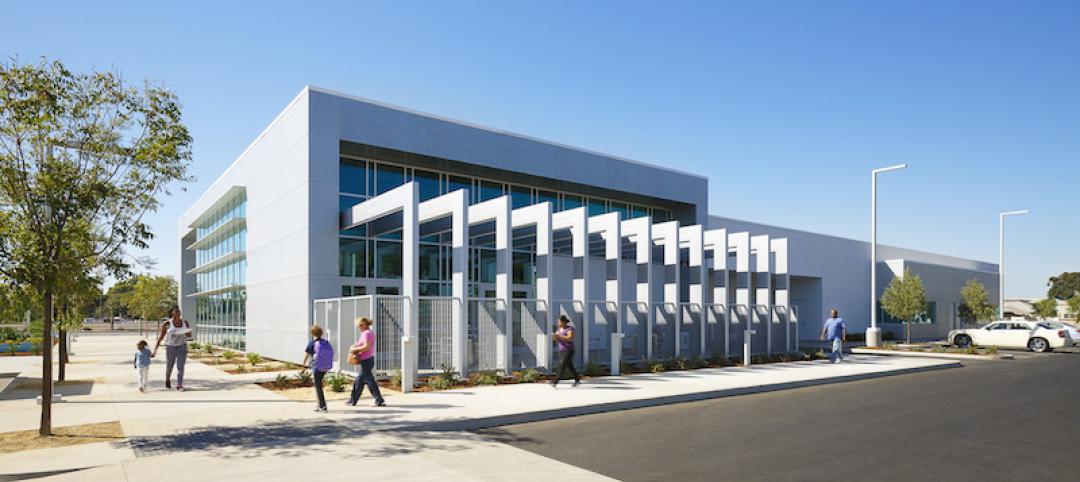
(321, 354)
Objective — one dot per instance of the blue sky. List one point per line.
(791, 103)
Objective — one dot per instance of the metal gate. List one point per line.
(738, 321)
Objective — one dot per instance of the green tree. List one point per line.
(117, 299)
(905, 299)
(83, 157)
(1064, 286)
(152, 297)
(976, 306)
(1045, 308)
(1074, 306)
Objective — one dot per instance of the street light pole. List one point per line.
(1001, 259)
(873, 334)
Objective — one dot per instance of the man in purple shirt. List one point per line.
(564, 336)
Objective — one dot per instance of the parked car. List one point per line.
(1035, 336)
(1072, 328)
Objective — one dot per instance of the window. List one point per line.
(638, 212)
(388, 259)
(520, 196)
(453, 183)
(429, 262)
(352, 257)
(548, 196)
(353, 176)
(621, 209)
(570, 202)
(346, 202)
(490, 190)
(428, 183)
(597, 206)
(388, 177)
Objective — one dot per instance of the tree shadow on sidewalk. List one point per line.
(297, 438)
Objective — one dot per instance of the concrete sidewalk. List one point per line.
(225, 417)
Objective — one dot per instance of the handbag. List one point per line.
(353, 359)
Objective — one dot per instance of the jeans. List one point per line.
(366, 377)
(837, 353)
(143, 374)
(567, 363)
(175, 355)
(319, 375)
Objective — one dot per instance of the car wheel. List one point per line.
(1038, 345)
(962, 341)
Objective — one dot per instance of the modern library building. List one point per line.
(464, 243)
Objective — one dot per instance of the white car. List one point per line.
(1035, 336)
(1071, 328)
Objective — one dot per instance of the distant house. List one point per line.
(1025, 308)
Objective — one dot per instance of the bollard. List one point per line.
(616, 352)
(408, 364)
(746, 346)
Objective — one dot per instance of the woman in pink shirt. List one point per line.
(364, 349)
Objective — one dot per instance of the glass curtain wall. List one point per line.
(221, 276)
(377, 256)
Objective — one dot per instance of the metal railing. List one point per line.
(435, 337)
(635, 331)
(604, 322)
(716, 329)
(665, 317)
(531, 326)
(690, 330)
(486, 328)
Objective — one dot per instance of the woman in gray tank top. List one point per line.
(175, 332)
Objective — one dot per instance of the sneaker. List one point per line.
(141, 389)
(350, 403)
(320, 410)
(179, 388)
(576, 383)
(380, 403)
(167, 385)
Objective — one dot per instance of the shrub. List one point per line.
(209, 349)
(241, 369)
(626, 367)
(592, 369)
(820, 355)
(37, 346)
(254, 358)
(228, 354)
(657, 368)
(888, 336)
(13, 334)
(530, 375)
(918, 349)
(938, 349)
(304, 377)
(992, 350)
(194, 345)
(890, 346)
(971, 350)
(696, 362)
(281, 380)
(337, 382)
(395, 379)
(785, 357)
(438, 383)
(447, 376)
(484, 378)
(757, 360)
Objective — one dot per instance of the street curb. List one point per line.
(929, 354)
(538, 416)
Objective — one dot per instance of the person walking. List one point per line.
(363, 353)
(142, 364)
(835, 331)
(321, 354)
(564, 336)
(175, 332)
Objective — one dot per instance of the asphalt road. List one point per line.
(1001, 420)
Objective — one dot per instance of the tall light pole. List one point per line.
(1001, 259)
(873, 334)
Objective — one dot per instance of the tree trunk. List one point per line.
(46, 368)
(63, 357)
(907, 328)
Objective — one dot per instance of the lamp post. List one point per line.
(1001, 259)
(873, 334)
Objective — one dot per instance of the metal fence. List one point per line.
(738, 321)
(604, 322)
(435, 338)
(716, 329)
(690, 330)
(665, 317)
(530, 327)
(635, 330)
(487, 327)
(338, 318)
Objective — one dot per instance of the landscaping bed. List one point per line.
(933, 349)
(234, 362)
(62, 437)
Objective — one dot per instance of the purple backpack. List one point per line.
(324, 355)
